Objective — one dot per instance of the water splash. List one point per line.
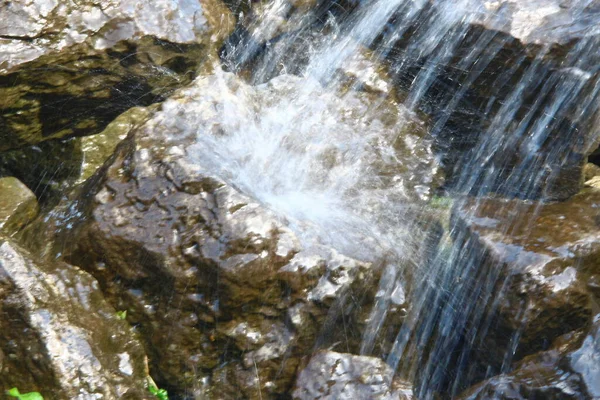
(350, 168)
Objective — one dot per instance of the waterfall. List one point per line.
(358, 172)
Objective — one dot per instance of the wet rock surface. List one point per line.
(96, 149)
(540, 22)
(568, 370)
(59, 337)
(97, 61)
(228, 300)
(331, 375)
(546, 261)
(461, 72)
(235, 284)
(18, 205)
(471, 121)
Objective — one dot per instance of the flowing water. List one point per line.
(358, 170)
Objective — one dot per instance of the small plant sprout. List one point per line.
(122, 314)
(14, 392)
(160, 394)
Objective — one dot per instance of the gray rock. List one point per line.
(541, 21)
(59, 337)
(98, 61)
(32, 28)
(331, 375)
(584, 360)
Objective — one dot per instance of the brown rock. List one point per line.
(59, 337)
(546, 257)
(221, 290)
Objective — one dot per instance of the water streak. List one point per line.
(357, 170)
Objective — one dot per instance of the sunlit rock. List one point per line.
(545, 258)
(96, 149)
(98, 60)
(32, 28)
(590, 171)
(182, 231)
(59, 337)
(331, 375)
(18, 205)
(541, 21)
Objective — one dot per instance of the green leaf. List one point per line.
(31, 396)
(122, 314)
(14, 392)
(160, 394)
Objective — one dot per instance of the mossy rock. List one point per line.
(18, 205)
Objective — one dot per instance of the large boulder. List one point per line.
(535, 269)
(98, 60)
(228, 299)
(59, 337)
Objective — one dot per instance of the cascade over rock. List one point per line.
(308, 199)
(219, 270)
(542, 263)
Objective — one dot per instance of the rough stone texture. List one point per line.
(98, 60)
(333, 376)
(542, 21)
(96, 149)
(59, 337)
(592, 175)
(18, 205)
(227, 299)
(547, 261)
(31, 28)
(568, 370)
(591, 171)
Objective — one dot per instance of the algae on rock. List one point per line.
(18, 205)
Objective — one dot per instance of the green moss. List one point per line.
(441, 202)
